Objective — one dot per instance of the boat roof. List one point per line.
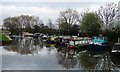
(100, 37)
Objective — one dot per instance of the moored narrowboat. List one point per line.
(78, 43)
(98, 42)
(116, 48)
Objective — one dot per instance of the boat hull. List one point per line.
(78, 47)
(97, 47)
(116, 53)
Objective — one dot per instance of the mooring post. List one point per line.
(118, 40)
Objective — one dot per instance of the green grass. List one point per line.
(4, 37)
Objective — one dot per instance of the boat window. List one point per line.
(102, 38)
(79, 42)
(71, 42)
(83, 42)
(106, 38)
(76, 42)
(117, 47)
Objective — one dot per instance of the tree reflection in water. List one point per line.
(104, 62)
(87, 61)
(25, 46)
(95, 61)
(115, 60)
(67, 58)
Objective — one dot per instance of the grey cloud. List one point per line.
(44, 10)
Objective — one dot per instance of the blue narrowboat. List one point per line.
(98, 42)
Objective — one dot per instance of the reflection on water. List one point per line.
(1, 58)
(25, 46)
(115, 60)
(30, 53)
(67, 58)
(87, 61)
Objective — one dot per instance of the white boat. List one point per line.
(116, 48)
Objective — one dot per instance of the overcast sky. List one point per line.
(46, 9)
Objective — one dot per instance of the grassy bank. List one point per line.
(4, 37)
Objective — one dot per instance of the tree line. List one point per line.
(70, 22)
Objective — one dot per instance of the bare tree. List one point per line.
(50, 24)
(20, 23)
(67, 19)
(107, 14)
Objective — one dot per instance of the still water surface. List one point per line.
(33, 54)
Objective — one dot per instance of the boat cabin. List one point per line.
(100, 40)
(79, 42)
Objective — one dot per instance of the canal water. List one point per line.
(33, 54)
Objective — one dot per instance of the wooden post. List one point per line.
(118, 40)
